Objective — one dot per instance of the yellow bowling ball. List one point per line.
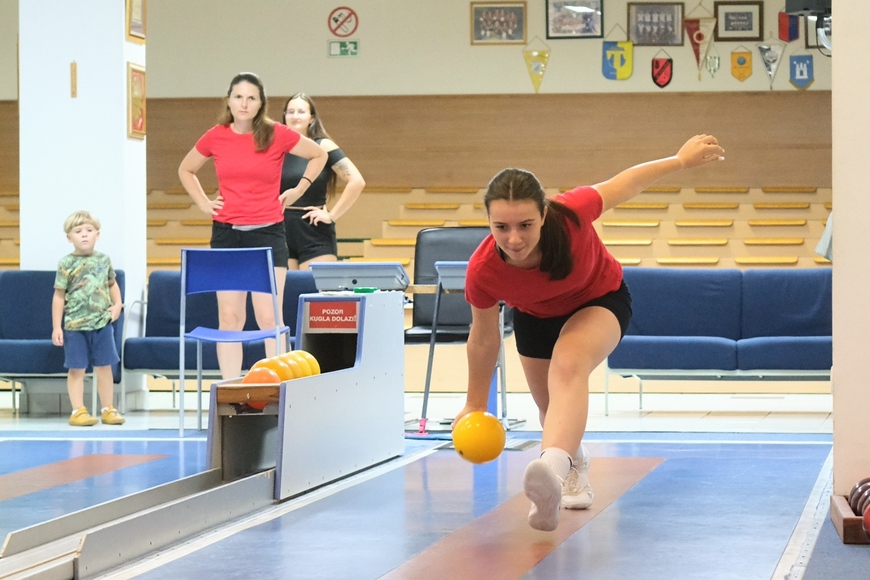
(301, 362)
(478, 437)
(312, 362)
(284, 372)
(290, 360)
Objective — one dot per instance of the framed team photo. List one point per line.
(498, 23)
(657, 24)
(577, 19)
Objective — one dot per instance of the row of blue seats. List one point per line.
(703, 324)
(26, 349)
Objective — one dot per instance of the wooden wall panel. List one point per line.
(9, 146)
(772, 138)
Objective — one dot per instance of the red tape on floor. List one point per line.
(66, 471)
(501, 545)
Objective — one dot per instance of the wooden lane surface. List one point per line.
(501, 545)
(67, 471)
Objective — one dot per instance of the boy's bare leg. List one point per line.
(75, 386)
(105, 386)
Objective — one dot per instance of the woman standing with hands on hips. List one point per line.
(248, 149)
(571, 308)
(308, 224)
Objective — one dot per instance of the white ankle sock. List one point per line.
(559, 461)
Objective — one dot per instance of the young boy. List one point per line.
(86, 300)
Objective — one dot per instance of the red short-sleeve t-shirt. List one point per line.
(249, 180)
(596, 272)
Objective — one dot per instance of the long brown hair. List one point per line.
(264, 127)
(316, 131)
(517, 185)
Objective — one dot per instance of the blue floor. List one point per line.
(21, 451)
(717, 506)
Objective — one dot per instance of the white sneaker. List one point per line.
(544, 488)
(577, 494)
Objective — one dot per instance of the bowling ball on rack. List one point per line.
(863, 502)
(312, 362)
(298, 370)
(857, 490)
(284, 372)
(305, 360)
(478, 437)
(260, 376)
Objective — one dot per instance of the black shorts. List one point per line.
(536, 337)
(271, 236)
(305, 241)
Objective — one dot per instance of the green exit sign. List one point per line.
(343, 48)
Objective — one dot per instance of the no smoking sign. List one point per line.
(343, 21)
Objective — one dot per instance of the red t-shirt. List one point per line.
(490, 279)
(248, 179)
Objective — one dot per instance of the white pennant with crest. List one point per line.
(771, 56)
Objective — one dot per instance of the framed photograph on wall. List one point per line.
(136, 21)
(498, 23)
(136, 117)
(656, 24)
(811, 31)
(739, 21)
(577, 19)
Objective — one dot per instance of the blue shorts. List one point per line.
(84, 348)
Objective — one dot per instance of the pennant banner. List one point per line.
(741, 64)
(771, 55)
(700, 32)
(617, 59)
(662, 71)
(536, 62)
(712, 61)
(789, 26)
(801, 70)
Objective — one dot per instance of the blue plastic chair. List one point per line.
(216, 270)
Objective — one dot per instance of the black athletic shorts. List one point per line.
(271, 236)
(305, 241)
(536, 337)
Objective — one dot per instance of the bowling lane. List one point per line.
(85, 472)
(720, 509)
(711, 510)
(364, 531)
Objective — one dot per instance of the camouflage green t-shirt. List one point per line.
(86, 282)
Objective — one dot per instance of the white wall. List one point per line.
(406, 47)
(851, 148)
(74, 151)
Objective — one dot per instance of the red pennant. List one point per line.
(696, 37)
(662, 71)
